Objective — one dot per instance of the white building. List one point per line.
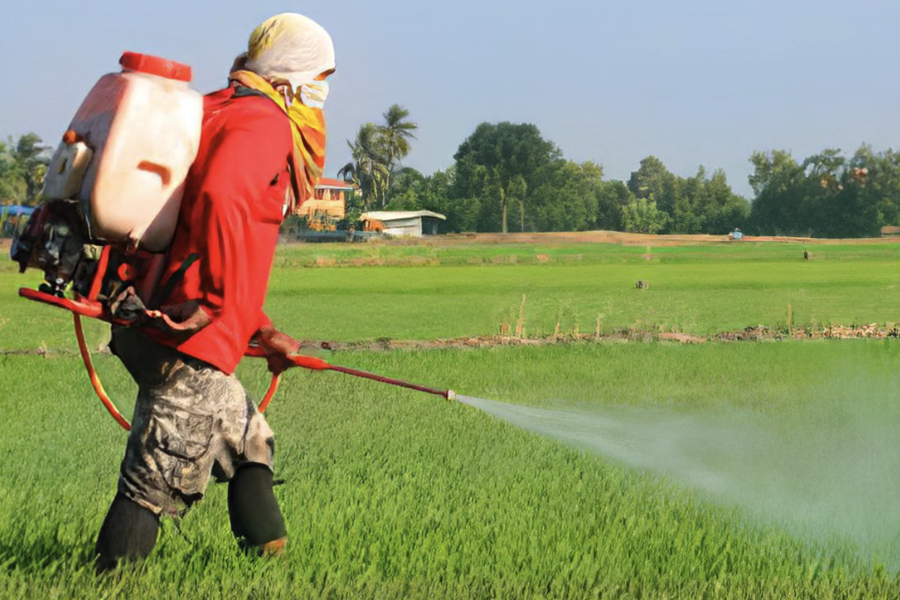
(409, 223)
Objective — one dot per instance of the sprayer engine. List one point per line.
(110, 281)
(54, 241)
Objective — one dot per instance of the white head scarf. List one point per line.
(292, 47)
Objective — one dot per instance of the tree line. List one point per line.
(23, 164)
(506, 177)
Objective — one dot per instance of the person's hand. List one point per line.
(278, 348)
(180, 321)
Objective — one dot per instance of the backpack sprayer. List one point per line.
(110, 208)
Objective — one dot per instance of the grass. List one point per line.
(393, 494)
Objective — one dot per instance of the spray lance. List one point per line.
(299, 360)
(89, 277)
(317, 364)
(106, 219)
(78, 308)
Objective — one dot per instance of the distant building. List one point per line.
(890, 231)
(409, 223)
(328, 204)
(329, 198)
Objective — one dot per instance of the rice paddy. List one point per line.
(589, 470)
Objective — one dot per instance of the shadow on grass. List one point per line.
(45, 556)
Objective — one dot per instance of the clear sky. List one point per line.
(694, 82)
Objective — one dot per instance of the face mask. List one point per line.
(314, 93)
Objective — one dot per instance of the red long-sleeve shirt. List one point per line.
(230, 213)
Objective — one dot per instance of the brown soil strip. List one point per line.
(750, 334)
(615, 237)
(600, 236)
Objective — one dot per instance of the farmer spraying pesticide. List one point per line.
(261, 149)
(160, 215)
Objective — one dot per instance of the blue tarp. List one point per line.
(16, 209)
(13, 218)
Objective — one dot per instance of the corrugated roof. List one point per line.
(327, 182)
(396, 215)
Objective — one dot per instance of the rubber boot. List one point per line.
(256, 520)
(129, 532)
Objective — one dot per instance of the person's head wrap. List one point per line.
(293, 48)
(290, 47)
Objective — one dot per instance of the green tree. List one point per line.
(395, 135)
(642, 216)
(707, 205)
(12, 181)
(23, 165)
(368, 169)
(863, 193)
(377, 152)
(612, 198)
(568, 197)
(724, 210)
(777, 182)
(31, 155)
(826, 195)
(688, 211)
(877, 176)
(492, 165)
(654, 181)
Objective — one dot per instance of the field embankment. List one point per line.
(638, 239)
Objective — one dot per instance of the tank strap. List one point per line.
(174, 280)
(295, 162)
(242, 91)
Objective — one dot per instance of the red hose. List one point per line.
(93, 309)
(92, 375)
(273, 387)
(104, 397)
(307, 362)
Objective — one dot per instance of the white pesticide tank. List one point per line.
(143, 127)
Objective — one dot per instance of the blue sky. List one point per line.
(695, 82)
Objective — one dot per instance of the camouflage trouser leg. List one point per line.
(189, 417)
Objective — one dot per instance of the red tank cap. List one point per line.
(154, 65)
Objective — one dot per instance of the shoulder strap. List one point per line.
(295, 161)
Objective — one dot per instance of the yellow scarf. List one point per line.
(308, 129)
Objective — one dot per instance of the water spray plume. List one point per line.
(825, 473)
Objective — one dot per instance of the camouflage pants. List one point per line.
(190, 419)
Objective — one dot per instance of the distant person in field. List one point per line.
(262, 149)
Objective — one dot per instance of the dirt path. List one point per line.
(751, 334)
(626, 239)
(598, 237)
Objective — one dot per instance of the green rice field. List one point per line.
(589, 469)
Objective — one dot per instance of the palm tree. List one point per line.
(395, 133)
(368, 170)
(377, 152)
